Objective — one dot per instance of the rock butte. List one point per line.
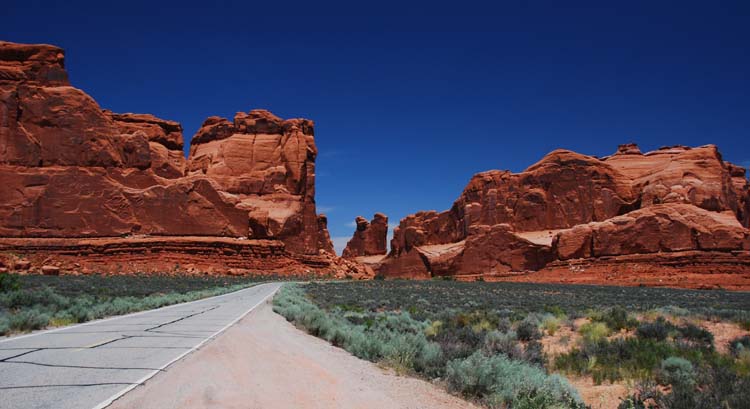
(369, 239)
(86, 189)
(89, 190)
(677, 216)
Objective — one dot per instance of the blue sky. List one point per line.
(411, 99)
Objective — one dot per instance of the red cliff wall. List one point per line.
(70, 170)
(676, 210)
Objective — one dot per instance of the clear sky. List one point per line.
(411, 99)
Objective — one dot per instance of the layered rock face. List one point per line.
(369, 239)
(678, 201)
(70, 170)
(266, 165)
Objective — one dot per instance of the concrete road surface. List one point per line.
(89, 365)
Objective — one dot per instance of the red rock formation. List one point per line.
(674, 200)
(654, 229)
(164, 138)
(562, 190)
(267, 165)
(70, 170)
(369, 238)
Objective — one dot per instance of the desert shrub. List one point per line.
(594, 331)
(4, 325)
(644, 396)
(401, 350)
(555, 310)
(523, 298)
(528, 329)
(551, 324)
(658, 330)
(621, 358)
(739, 345)
(672, 310)
(504, 324)
(394, 338)
(363, 346)
(503, 343)
(677, 372)
(433, 328)
(28, 320)
(696, 336)
(501, 382)
(80, 312)
(534, 353)
(704, 387)
(9, 282)
(457, 342)
(616, 318)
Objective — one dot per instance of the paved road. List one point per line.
(87, 366)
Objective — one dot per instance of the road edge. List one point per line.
(150, 375)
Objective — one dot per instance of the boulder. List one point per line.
(22, 265)
(51, 270)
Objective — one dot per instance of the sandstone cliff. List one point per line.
(664, 207)
(70, 170)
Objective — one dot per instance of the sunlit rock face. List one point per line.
(369, 238)
(69, 169)
(572, 206)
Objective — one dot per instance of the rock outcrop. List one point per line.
(369, 239)
(71, 171)
(267, 166)
(677, 200)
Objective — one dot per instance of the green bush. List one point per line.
(739, 345)
(616, 318)
(677, 372)
(394, 338)
(658, 330)
(534, 353)
(701, 387)
(501, 382)
(551, 324)
(4, 325)
(696, 336)
(28, 320)
(528, 329)
(621, 358)
(9, 282)
(594, 331)
(504, 343)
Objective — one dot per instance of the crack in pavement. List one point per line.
(181, 319)
(80, 366)
(21, 354)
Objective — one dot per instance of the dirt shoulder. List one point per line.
(265, 362)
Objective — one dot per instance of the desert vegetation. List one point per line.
(30, 302)
(514, 345)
